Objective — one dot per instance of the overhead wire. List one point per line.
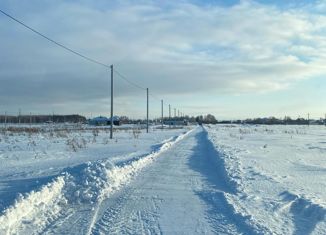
(128, 81)
(69, 49)
(53, 41)
(77, 53)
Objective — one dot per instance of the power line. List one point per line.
(55, 42)
(68, 49)
(127, 80)
(155, 97)
(75, 52)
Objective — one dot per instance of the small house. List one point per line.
(104, 121)
(176, 122)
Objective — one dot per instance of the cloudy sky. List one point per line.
(234, 59)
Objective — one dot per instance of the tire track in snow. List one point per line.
(184, 192)
(75, 196)
(119, 176)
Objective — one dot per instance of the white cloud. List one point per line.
(248, 47)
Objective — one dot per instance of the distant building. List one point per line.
(104, 121)
(176, 122)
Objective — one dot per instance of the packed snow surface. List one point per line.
(278, 173)
(216, 179)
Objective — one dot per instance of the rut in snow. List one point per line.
(210, 164)
(184, 191)
(74, 197)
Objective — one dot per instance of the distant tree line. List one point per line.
(276, 121)
(201, 119)
(210, 119)
(206, 119)
(73, 118)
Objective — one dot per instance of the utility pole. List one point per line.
(19, 113)
(169, 116)
(169, 111)
(147, 112)
(6, 119)
(178, 113)
(162, 112)
(308, 119)
(175, 112)
(111, 122)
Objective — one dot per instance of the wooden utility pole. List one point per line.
(308, 119)
(19, 113)
(169, 116)
(6, 119)
(162, 112)
(169, 111)
(111, 122)
(147, 112)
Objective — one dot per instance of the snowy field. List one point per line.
(216, 179)
(278, 174)
(46, 170)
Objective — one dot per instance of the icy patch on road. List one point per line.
(29, 211)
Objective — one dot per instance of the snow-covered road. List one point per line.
(197, 182)
(181, 193)
(179, 189)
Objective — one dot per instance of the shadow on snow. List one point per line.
(209, 163)
(11, 189)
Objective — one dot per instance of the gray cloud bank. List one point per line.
(176, 49)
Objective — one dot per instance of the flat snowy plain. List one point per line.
(217, 179)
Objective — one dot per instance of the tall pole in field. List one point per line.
(19, 113)
(169, 111)
(175, 112)
(147, 112)
(308, 119)
(162, 112)
(111, 122)
(169, 115)
(6, 119)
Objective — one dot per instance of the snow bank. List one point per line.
(87, 184)
(28, 213)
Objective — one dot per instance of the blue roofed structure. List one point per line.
(104, 121)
